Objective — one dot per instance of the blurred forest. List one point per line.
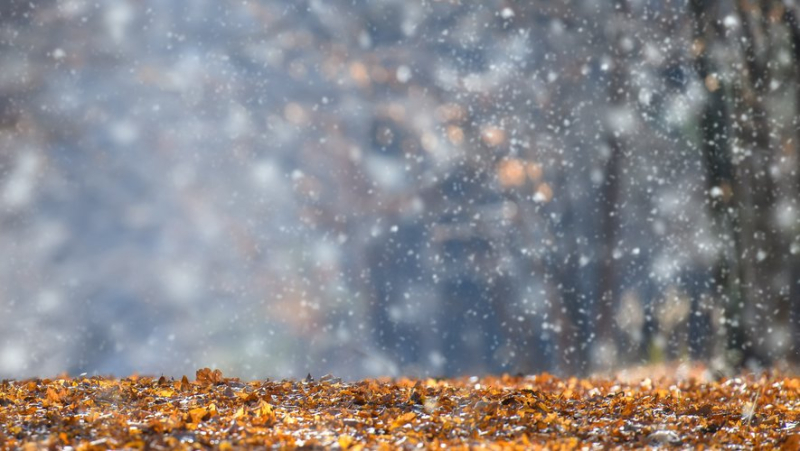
(394, 187)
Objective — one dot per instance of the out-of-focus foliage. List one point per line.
(384, 187)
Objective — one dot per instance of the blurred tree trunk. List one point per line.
(723, 189)
(609, 225)
(609, 202)
(791, 21)
(748, 280)
(761, 240)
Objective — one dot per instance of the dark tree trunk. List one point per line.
(608, 208)
(791, 21)
(763, 247)
(723, 189)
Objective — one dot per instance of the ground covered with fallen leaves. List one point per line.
(528, 412)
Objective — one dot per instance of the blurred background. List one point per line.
(391, 187)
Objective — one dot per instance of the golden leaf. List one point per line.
(197, 414)
(345, 441)
(402, 420)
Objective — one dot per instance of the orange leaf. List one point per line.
(207, 377)
(265, 414)
(345, 441)
(197, 414)
(265, 409)
(402, 420)
(239, 413)
(792, 442)
(165, 392)
(54, 396)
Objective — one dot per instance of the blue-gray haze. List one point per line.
(393, 187)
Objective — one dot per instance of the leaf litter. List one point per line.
(503, 412)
